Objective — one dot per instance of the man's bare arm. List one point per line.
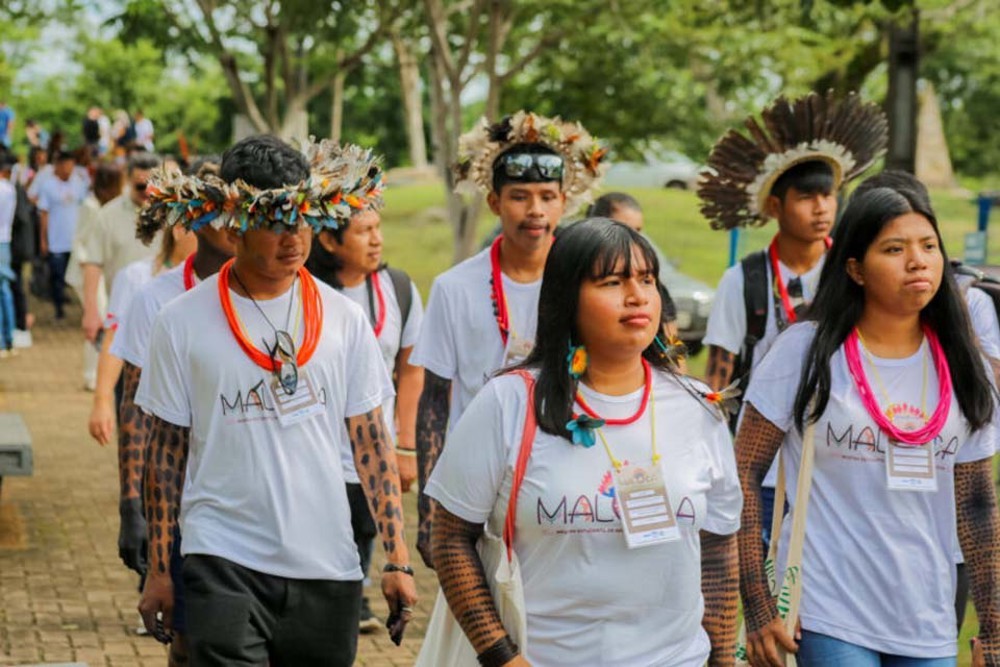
(979, 536)
(409, 385)
(432, 425)
(720, 580)
(720, 367)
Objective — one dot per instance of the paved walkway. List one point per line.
(64, 595)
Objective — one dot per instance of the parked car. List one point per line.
(659, 169)
(693, 300)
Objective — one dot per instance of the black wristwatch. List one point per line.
(392, 567)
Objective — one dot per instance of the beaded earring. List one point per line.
(577, 360)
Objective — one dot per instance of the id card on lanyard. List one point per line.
(910, 468)
(644, 504)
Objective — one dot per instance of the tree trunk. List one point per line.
(337, 106)
(409, 78)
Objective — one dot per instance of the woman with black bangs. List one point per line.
(629, 500)
(888, 371)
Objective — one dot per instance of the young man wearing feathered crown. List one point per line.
(790, 169)
(257, 379)
(482, 313)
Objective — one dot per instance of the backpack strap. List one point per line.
(404, 295)
(523, 454)
(755, 295)
(755, 291)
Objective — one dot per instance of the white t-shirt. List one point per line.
(268, 497)
(8, 206)
(878, 566)
(395, 336)
(131, 341)
(984, 321)
(460, 339)
(61, 200)
(727, 323)
(590, 599)
(127, 283)
(144, 134)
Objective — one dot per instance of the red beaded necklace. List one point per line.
(189, 272)
(496, 291)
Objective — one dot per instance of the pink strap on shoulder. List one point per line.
(523, 454)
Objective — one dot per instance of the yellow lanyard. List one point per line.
(881, 385)
(615, 463)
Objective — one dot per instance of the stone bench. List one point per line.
(15, 447)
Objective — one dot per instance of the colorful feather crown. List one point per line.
(847, 134)
(583, 157)
(343, 181)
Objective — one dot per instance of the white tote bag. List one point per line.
(789, 595)
(445, 644)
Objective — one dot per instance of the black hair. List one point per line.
(840, 302)
(324, 264)
(896, 179)
(142, 160)
(33, 154)
(605, 205)
(265, 162)
(811, 178)
(203, 165)
(590, 249)
(500, 177)
(62, 156)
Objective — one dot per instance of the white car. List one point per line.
(660, 169)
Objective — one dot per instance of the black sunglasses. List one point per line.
(140, 187)
(286, 371)
(516, 165)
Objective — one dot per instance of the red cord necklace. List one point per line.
(646, 390)
(312, 312)
(189, 272)
(786, 301)
(496, 291)
(378, 320)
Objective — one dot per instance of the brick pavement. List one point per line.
(64, 595)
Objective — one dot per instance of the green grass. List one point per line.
(418, 239)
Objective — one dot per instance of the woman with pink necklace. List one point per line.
(886, 377)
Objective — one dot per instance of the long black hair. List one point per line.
(591, 249)
(840, 302)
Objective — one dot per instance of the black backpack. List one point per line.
(755, 295)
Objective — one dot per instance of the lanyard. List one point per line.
(786, 301)
(189, 272)
(615, 463)
(374, 286)
(881, 385)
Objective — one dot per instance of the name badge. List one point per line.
(517, 350)
(910, 468)
(298, 407)
(647, 517)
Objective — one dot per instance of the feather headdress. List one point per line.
(343, 181)
(847, 134)
(583, 156)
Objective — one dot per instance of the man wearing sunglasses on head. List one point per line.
(257, 379)
(112, 246)
(482, 313)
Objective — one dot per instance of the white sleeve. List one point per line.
(132, 337)
(123, 289)
(724, 499)
(435, 347)
(775, 381)
(163, 388)
(470, 471)
(727, 323)
(368, 384)
(43, 197)
(411, 328)
(984, 321)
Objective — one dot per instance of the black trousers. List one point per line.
(239, 617)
